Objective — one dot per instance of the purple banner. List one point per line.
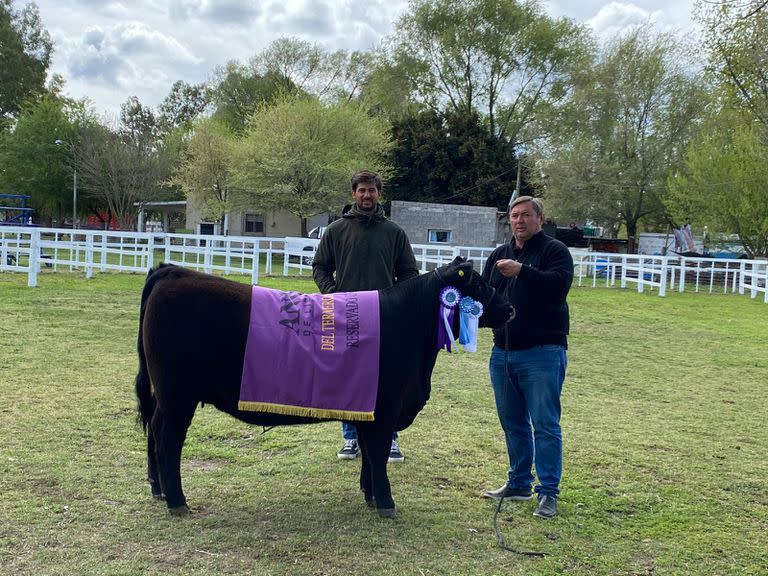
(314, 355)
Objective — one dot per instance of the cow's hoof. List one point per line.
(370, 503)
(158, 496)
(180, 511)
(386, 512)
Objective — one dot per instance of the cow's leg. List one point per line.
(152, 473)
(375, 444)
(366, 480)
(170, 430)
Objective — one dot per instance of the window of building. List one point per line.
(254, 224)
(439, 236)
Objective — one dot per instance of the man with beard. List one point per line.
(363, 250)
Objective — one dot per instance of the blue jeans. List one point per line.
(527, 385)
(349, 431)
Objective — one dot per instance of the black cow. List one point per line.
(192, 335)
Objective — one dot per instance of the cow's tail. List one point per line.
(146, 400)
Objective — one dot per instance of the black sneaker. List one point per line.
(395, 454)
(509, 493)
(547, 507)
(349, 451)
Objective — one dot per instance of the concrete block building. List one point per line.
(449, 224)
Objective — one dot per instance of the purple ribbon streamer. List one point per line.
(443, 339)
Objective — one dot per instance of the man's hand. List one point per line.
(509, 268)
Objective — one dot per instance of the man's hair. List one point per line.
(366, 177)
(538, 205)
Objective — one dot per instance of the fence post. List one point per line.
(663, 279)
(151, 252)
(89, 255)
(207, 257)
(681, 285)
(765, 285)
(624, 262)
(167, 256)
(3, 251)
(34, 257)
(104, 247)
(742, 271)
(286, 257)
(255, 260)
(268, 268)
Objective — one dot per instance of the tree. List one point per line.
(32, 163)
(723, 182)
(627, 122)
(735, 40)
(115, 174)
(238, 92)
(138, 124)
(331, 76)
(299, 154)
(450, 158)
(502, 58)
(184, 103)
(25, 54)
(205, 170)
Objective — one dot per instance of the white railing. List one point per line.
(29, 250)
(754, 277)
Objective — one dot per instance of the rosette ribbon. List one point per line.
(449, 300)
(469, 318)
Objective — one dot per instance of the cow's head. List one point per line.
(461, 274)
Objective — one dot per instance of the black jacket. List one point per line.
(538, 293)
(362, 252)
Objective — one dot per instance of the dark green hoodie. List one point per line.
(365, 251)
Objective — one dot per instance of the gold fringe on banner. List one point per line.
(307, 412)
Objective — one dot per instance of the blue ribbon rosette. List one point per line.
(469, 317)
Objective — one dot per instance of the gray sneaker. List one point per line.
(547, 507)
(509, 493)
(349, 451)
(395, 454)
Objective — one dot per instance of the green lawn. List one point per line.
(665, 472)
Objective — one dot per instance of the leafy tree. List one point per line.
(735, 36)
(723, 181)
(25, 54)
(238, 92)
(184, 103)
(204, 173)
(32, 163)
(138, 124)
(627, 122)
(299, 154)
(331, 76)
(389, 91)
(502, 58)
(115, 173)
(450, 158)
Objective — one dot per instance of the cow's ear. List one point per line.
(465, 265)
(458, 261)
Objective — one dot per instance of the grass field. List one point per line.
(665, 471)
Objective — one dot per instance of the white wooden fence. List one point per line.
(30, 250)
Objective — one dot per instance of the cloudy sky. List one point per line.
(110, 50)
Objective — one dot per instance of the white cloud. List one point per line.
(109, 50)
(618, 16)
(138, 39)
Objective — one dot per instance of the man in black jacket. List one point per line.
(527, 366)
(363, 250)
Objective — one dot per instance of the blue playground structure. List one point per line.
(19, 215)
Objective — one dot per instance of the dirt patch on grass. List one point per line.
(201, 464)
